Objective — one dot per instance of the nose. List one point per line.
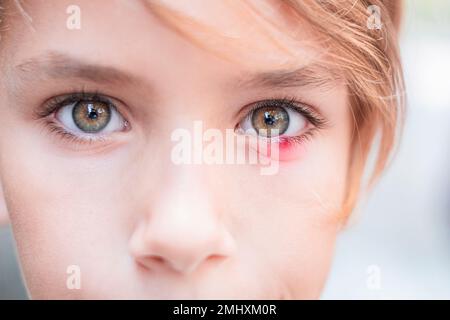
(182, 230)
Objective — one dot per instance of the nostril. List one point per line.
(215, 258)
(152, 261)
(157, 259)
(159, 263)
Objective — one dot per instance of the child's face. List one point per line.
(137, 224)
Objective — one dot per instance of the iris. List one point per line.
(266, 119)
(91, 116)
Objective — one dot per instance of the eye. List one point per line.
(91, 116)
(272, 118)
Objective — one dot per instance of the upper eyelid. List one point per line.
(53, 104)
(245, 112)
(293, 104)
(70, 98)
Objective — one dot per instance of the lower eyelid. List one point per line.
(295, 147)
(66, 142)
(62, 133)
(286, 149)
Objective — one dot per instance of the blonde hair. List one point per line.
(370, 63)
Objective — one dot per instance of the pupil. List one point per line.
(269, 119)
(92, 113)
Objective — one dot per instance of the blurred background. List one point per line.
(398, 244)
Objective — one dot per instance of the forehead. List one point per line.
(250, 34)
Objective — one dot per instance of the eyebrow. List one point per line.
(59, 66)
(313, 75)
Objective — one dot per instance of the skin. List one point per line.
(138, 225)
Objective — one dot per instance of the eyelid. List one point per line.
(55, 103)
(47, 114)
(310, 113)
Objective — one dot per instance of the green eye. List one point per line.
(91, 116)
(266, 119)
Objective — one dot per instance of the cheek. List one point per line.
(63, 213)
(294, 216)
(288, 222)
(289, 239)
(305, 261)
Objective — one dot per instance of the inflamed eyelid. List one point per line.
(289, 148)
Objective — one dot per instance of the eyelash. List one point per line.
(55, 103)
(292, 103)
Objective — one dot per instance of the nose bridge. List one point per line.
(185, 209)
(185, 195)
(183, 227)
